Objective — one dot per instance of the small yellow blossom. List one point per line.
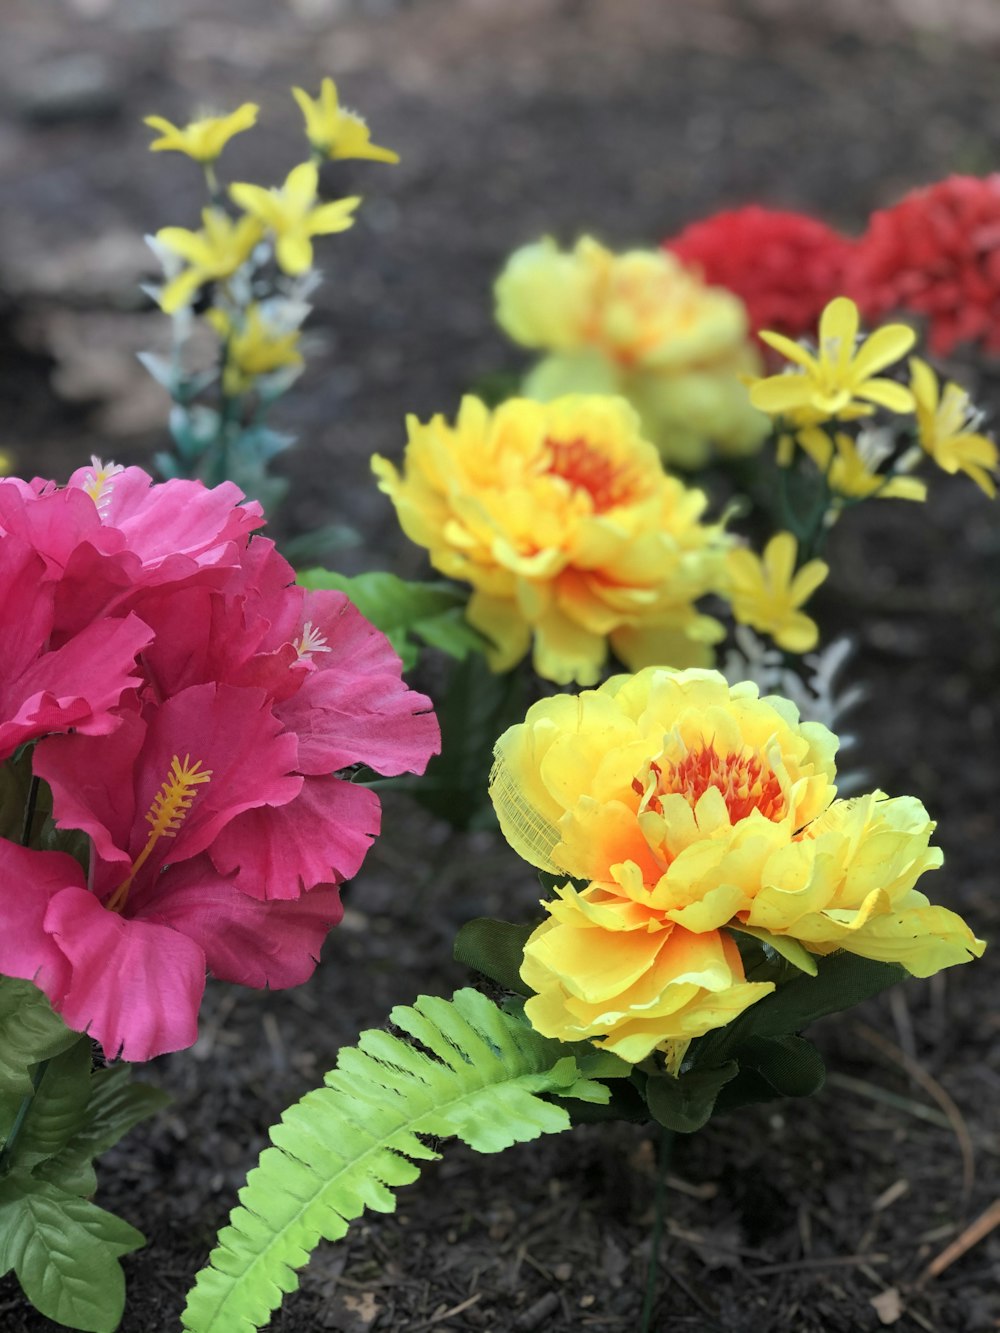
(6, 463)
(335, 132)
(253, 348)
(204, 139)
(766, 593)
(214, 252)
(689, 808)
(850, 467)
(641, 325)
(294, 216)
(842, 377)
(573, 537)
(943, 422)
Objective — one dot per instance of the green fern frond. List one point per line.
(476, 1072)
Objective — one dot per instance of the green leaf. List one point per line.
(477, 705)
(494, 948)
(686, 1102)
(116, 1104)
(469, 1069)
(791, 950)
(58, 1108)
(310, 547)
(842, 980)
(29, 1032)
(772, 1067)
(65, 1253)
(433, 613)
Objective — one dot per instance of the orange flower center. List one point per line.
(742, 776)
(585, 468)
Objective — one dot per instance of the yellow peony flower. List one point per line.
(851, 468)
(215, 252)
(634, 984)
(294, 216)
(943, 422)
(253, 348)
(561, 517)
(641, 325)
(766, 592)
(686, 806)
(203, 139)
(841, 378)
(335, 132)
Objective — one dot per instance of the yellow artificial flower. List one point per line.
(766, 592)
(204, 139)
(687, 807)
(841, 379)
(6, 463)
(335, 132)
(253, 348)
(294, 216)
(214, 252)
(561, 517)
(851, 471)
(641, 325)
(943, 422)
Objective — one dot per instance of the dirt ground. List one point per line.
(513, 118)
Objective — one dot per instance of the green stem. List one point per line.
(7, 1152)
(665, 1144)
(29, 812)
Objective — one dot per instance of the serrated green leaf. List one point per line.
(494, 948)
(468, 1069)
(115, 1105)
(65, 1252)
(686, 1103)
(772, 1067)
(842, 981)
(58, 1108)
(477, 705)
(29, 1032)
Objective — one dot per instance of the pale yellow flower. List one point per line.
(943, 422)
(203, 139)
(766, 592)
(254, 347)
(841, 377)
(213, 253)
(849, 473)
(689, 807)
(641, 325)
(335, 132)
(294, 216)
(573, 538)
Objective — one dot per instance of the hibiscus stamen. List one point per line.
(311, 641)
(166, 815)
(97, 481)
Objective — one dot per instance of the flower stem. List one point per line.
(29, 812)
(8, 1148)
(665, 1144)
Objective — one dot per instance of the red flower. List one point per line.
(936, 253)
(785, 267)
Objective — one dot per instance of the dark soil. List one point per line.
(516, 117)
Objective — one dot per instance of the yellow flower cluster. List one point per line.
(561, 517)
(641, 325)
(690, 808)
(841, 382)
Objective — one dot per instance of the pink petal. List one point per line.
(31, 880)
(322, 836)
(245, 940)
(136, 986)
(355, 708)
